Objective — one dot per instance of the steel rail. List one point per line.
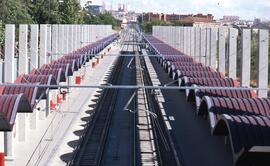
(100, 121)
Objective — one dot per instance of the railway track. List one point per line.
(163, 141)
(147, 142)
(93, 144)
(90, 150)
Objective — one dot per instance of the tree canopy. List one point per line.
(147, 25)
(14, 12)
(48, 12)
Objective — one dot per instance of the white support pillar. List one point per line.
(171, 36)
(83, 35)
(42, 60)
(33, 65)
(55, 45)
(93, 33)
(9, 77)
(174, 33)
(96, 32)
(245, 58)
(197, 43)
(74, 32)
(22, 69)
(87, 29)
(208, 46)
(89, 34)
(185, 40)
(203, 46)
(178, 38)
(192, 42)
(168, 31)
(154, 30)
(77, 37)
(66, 39)
(23, 49)
(165, 39)
(213, 48)
(43, 45)
(262, 62)
(49, 42)
(161, 33)
(232, 52)
(9, 53)
(222, 50)
(182, 39)
(60, 39)
(174, 37)
(70, 38)
(188, 40)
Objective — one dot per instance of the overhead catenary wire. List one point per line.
(135, 87)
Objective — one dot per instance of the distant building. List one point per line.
(122, 8)
(189, 19)
(124, 23)
(172, 17)
(256, 21)
(230, 19)
(152, 16)
(95, 8)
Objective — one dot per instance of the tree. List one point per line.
(1, 32)
(14, 12)
(44, 11)
(147, 26)
(71, 12)
(1, 36)
(102, 18)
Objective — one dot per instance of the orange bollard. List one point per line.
(59, 99)
(97, 60)
(52, 105)
(93, 64)
(78, 80)
(2, 159)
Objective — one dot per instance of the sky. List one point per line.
(246, 9)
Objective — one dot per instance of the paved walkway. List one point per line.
(53, 141)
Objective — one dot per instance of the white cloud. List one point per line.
(246, 9)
